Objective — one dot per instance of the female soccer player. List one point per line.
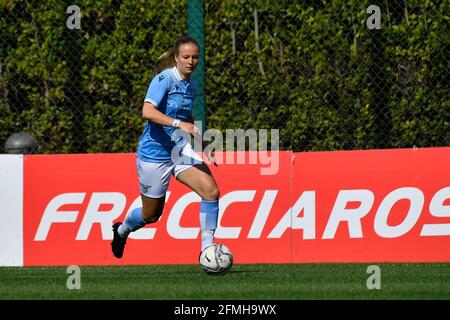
(163, 152)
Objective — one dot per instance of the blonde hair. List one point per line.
(167, 59)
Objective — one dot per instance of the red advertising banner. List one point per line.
(372, 206)
(71, 201)
(350, 206)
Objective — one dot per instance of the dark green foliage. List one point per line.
(316, 72)
(327, 81)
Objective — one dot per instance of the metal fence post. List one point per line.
(196, 30)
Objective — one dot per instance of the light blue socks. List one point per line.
(132, 222)
(209, 212)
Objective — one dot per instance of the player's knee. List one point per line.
(152, 217)
(211, 193)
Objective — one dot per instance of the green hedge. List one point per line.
(327, 82)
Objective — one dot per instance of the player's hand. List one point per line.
(211, 157)
(189, 128)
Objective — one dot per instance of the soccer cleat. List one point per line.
(118, 243)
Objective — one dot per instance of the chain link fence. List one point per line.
(330, 75)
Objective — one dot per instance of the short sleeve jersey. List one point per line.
(174, 97)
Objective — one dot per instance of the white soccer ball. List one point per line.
(216, 259)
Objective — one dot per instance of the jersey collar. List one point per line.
(178, 76)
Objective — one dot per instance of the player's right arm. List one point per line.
(151, 113)
(157, 91)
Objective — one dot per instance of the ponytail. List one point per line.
(166, 60)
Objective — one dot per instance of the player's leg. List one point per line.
(150, 212)
(153, 181)
(200, 179)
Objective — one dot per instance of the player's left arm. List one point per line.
(210, 152)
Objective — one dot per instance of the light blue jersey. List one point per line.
(173, 97)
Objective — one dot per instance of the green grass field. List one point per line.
(260, 282)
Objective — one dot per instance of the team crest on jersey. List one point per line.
(145, 187)
(161, 78)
